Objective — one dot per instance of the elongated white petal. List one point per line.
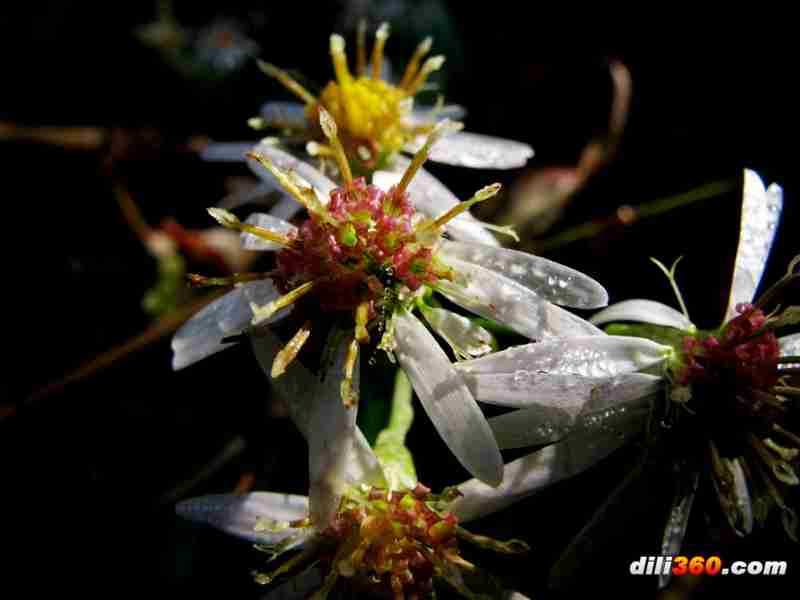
(477, 151)
(466, 337)
(499, 298)
(286, 115)
(677, 521)
(255, 194)
(339, 454)
(447, 400)
(285, 208)
(428, 115)
(593, 356)
(545, 423)
(644, 311)
(538, 470)
(253, 242)
(761, 211)
(288, 162)
(226, 151)
(431, 197)
(202, 335)
(238, 514)
(548, 279)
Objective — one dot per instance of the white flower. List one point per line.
(367, 251)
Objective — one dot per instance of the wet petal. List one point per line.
(593, 356)
(677, 521)
(761, 211)
(288, 162)
(644, 311)
(286, 115)
(548, 279)
(499, 298)
(538, 470)
(202, 335)
(477, 151)
(465, 337)
(446, 399)
(431, 197)
(274, 224)
(238, 514)
(339, 455)
(615, 405)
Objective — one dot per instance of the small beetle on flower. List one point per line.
(369, 253)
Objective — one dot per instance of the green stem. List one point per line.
(390, 448)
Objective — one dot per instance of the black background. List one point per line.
(84, 470)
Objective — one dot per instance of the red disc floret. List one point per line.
(744, 354)
(360, 243)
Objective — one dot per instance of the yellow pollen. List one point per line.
(349, 397)
(289, 352)
(362, 317)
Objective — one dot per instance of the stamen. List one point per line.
(287, 81)
(362, 317)
(196, 280)
(788, 516)
(289, 352)
(343, 77)
(481, 195)
(670, 275)
(413, 65)
(787, 454)
(230, 221)
(780, 468)
(513, 546)
(260, 313)
(349, 397)
(787, 434)
(304, 195)
(309, 552)
(792, 392)
(317, 149)
(377, 50)
(361, 48)
(434, 63)
(446, 126)
(331, 132)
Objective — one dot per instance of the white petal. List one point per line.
(252, 242)
(258, 193)
(285, 208)
(616, 403)
(593, 356)
(540, 469)
(678, 519)
(499, 298)
(238, 514)
(465, 337)
(226, 151)
(286, 115)
(549, 280)
(202, 335)
(339, 455)
(446, 399)
(288, 162)
(431, 197)
(429, 115)
(644, 311)
(761, 211)
(477, 151)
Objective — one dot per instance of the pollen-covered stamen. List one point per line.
(362, 319)
(482, 194)
(261, 313)
(317, 149)
(787, 434)
(413, 64)
(779, 468)
(434, 63)
(196, 280)
(289, 352)
(331, 132)
(442, 128)
(349, 396)
(513, 546)
(230, 221)
(287, 81)
(377, 50)
(361, 47)
(343, 76)
(305, 196)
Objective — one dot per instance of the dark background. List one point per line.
(86, 471)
